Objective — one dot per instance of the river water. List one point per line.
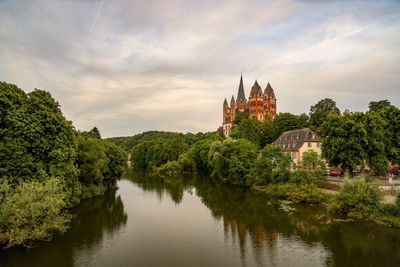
(195, 222)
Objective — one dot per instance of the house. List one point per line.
(260, 105)
(297, 142)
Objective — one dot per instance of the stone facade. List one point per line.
(260, 105)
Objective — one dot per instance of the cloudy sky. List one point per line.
(132, 66)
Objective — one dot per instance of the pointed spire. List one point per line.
(225, 102)
(268, 90)
(255, 89)
(241, 95)
(232, 100)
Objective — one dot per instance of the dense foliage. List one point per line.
(232, 160)
(31, 211)
(46, 166)
(357, 139)
(356, 198)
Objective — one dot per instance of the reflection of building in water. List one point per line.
(241, 237)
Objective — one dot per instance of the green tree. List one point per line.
(116, 164)
(311, 170)
(95, 133)
(379, 105)
(232, 160)
(356, 198)
(273, 165)
(320, 111)
(92, 163)
(33, 210)
(345, 141)
(249, 129)
(391, 117)
(375, 148)
(286, 122)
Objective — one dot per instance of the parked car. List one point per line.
(335, 172)
(394, 169)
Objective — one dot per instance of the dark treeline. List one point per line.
(46, 166)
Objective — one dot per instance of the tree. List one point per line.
(232, 160)
(311, 170)
(375, 148)
(379, 105)
(357, 198)
(95, 133)
(92, 163)
(249, 129)
(272, 165)
(286, 122)
(320, 111)
(116, 164)
(345, 141)
(33, 210)
(391, 117)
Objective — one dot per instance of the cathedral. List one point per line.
(260, 105)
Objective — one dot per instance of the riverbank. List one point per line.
(385, 212)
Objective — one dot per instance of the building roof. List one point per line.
(225, 102)
(268, 90)
(255, 89)
(294, 140)
(241, 95)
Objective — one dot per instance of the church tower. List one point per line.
(241, 102)
(269, 102)
(260, 105)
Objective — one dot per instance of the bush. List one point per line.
(232, 160)
(356, 198)
(31, 211)
(398, 199)
(312, 169)
(305, 193)
(272, 165)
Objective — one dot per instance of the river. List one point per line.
(195, 222)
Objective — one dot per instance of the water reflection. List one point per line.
(93, 220)
(196, 222)
(257, 228)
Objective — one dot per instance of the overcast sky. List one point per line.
(133, 66)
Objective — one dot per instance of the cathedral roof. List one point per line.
(232, 100)
(225, 102)
(241, 95)
(268, 90)
(255, 89)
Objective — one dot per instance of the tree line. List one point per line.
(246, 158)
(47, 166)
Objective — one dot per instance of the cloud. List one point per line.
(131, 66)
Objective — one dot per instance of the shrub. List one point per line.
(312, 169)
(398, 199)
(356, 198)
(31, 211)
(305, 193)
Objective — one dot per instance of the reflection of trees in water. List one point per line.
(254, 217)
(93, 219)
(171, 186)
(251, 219)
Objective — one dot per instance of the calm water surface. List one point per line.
(194, 222)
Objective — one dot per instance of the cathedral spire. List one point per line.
(241, 95)
(225, 103)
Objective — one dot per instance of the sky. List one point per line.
(133, 66)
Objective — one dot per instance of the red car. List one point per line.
(394, 169)
(335, 172)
